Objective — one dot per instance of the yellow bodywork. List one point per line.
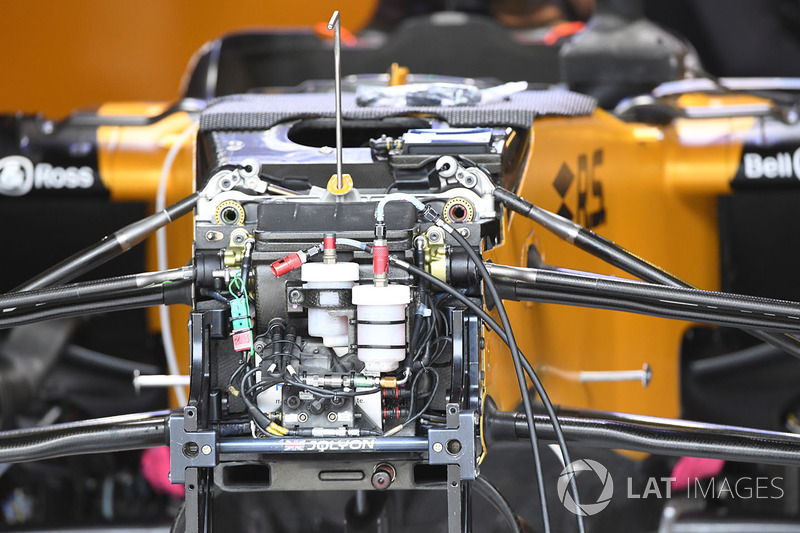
(659, 188)
(130, 162)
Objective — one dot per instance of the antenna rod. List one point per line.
(335, 24)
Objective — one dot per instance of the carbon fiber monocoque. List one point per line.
(262, 111)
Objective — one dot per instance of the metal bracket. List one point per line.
(455, 445)
(189, 449)
(333, 299)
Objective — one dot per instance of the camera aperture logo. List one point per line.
(571, 470)
(742, 488)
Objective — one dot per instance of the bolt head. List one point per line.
(437, 447)
(381, 480)
(206, 449)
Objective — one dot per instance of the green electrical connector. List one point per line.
(240, 314)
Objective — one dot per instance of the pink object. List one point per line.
(688, 469)
(380, 259)
(155, 469)
(241, 341)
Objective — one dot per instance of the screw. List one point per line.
(212, 236)
(437, 447)
(206, 449)
(238, 238)
(464, 232)
(332, 417)
(302, 417)
(295, 296)
(381, 480)
(383, 476)
(259, 347)
(434, 236)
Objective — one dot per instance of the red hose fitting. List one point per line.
(287, 264)
(380, 260)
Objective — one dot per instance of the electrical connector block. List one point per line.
(243, 341)
(242, 325)
(240, 314)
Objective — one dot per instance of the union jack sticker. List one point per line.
(294, 445)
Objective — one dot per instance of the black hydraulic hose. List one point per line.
(479, 311)
(109, 247)
(738, 361)
(521, 292)
(167, 293)
(516, 356)
(103, 435)
(491, 494)
(108, 363)
(77, 292)
(618, 256)
(660, 436)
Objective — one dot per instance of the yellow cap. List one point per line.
(397, 75)
(347, 184)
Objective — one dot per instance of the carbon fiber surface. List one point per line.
(262, 111)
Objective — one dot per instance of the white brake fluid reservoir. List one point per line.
(327, 322)
(381, 314)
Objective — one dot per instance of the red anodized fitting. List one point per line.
(380, 259)
(287, 264)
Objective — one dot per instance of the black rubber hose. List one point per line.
(105, 362)
(491, 494)
(109, 247)
(167, 293)
(516, 356)
(478, 310)
(107, 435)
(521, 292)
(76, 292)
(738, 361)
(618, 256)
(660, 436)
